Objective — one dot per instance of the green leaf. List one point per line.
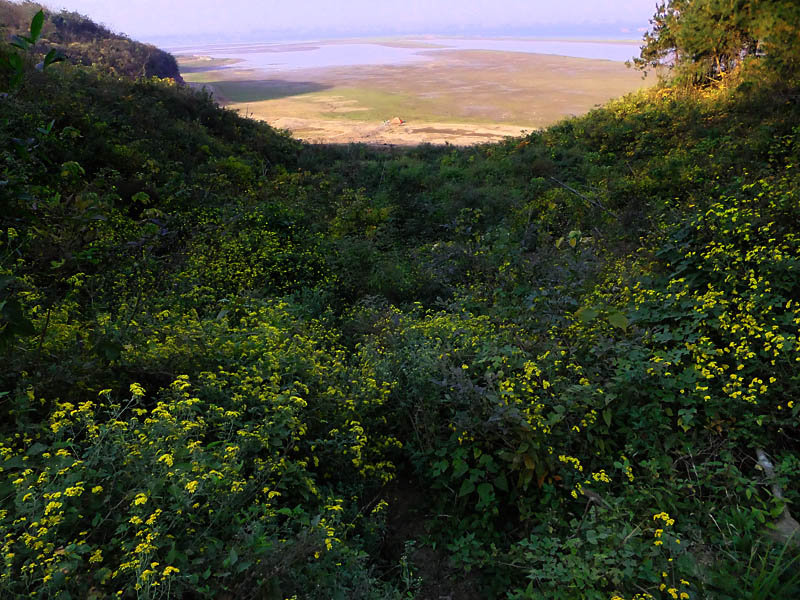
(36, 449)
(20, 42)
(586, 314)
(243, 566)
(485, 492)
(108, 349)
(607, 417)
(141, 198)
(459, 468)
(524, 479)
(19, 324)
(15, 60)
(618, 320)
(776, 511)
(54, 56)
(36, 26)
(466, 488)
(501, 483)
(15, 462)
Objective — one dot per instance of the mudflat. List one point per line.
(460, 97)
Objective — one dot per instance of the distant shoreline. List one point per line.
(280, 57)
(424, 41)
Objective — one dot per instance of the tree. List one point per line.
(702, 40)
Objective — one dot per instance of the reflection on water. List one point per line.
(290, 57)
(308, 55)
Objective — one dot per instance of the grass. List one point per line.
(242, 92)
(378, 105)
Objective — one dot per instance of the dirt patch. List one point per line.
(451, 132)
(333, 131)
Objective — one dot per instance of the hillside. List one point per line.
(86, 43)
(238, 366)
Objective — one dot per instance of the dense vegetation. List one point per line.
(236, 366)
(704, 40)
(84, 42)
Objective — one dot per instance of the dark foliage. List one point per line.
(86, 43)
(704, 40)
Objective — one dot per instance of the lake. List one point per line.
(281, 57)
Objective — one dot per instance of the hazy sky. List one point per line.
(156, 18)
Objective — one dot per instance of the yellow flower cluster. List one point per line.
(576, 463)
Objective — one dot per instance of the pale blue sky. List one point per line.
(152, 19)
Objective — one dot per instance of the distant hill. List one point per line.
(87, 43)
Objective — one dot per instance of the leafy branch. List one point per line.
(26, 44)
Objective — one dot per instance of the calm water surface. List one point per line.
(312, 55)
